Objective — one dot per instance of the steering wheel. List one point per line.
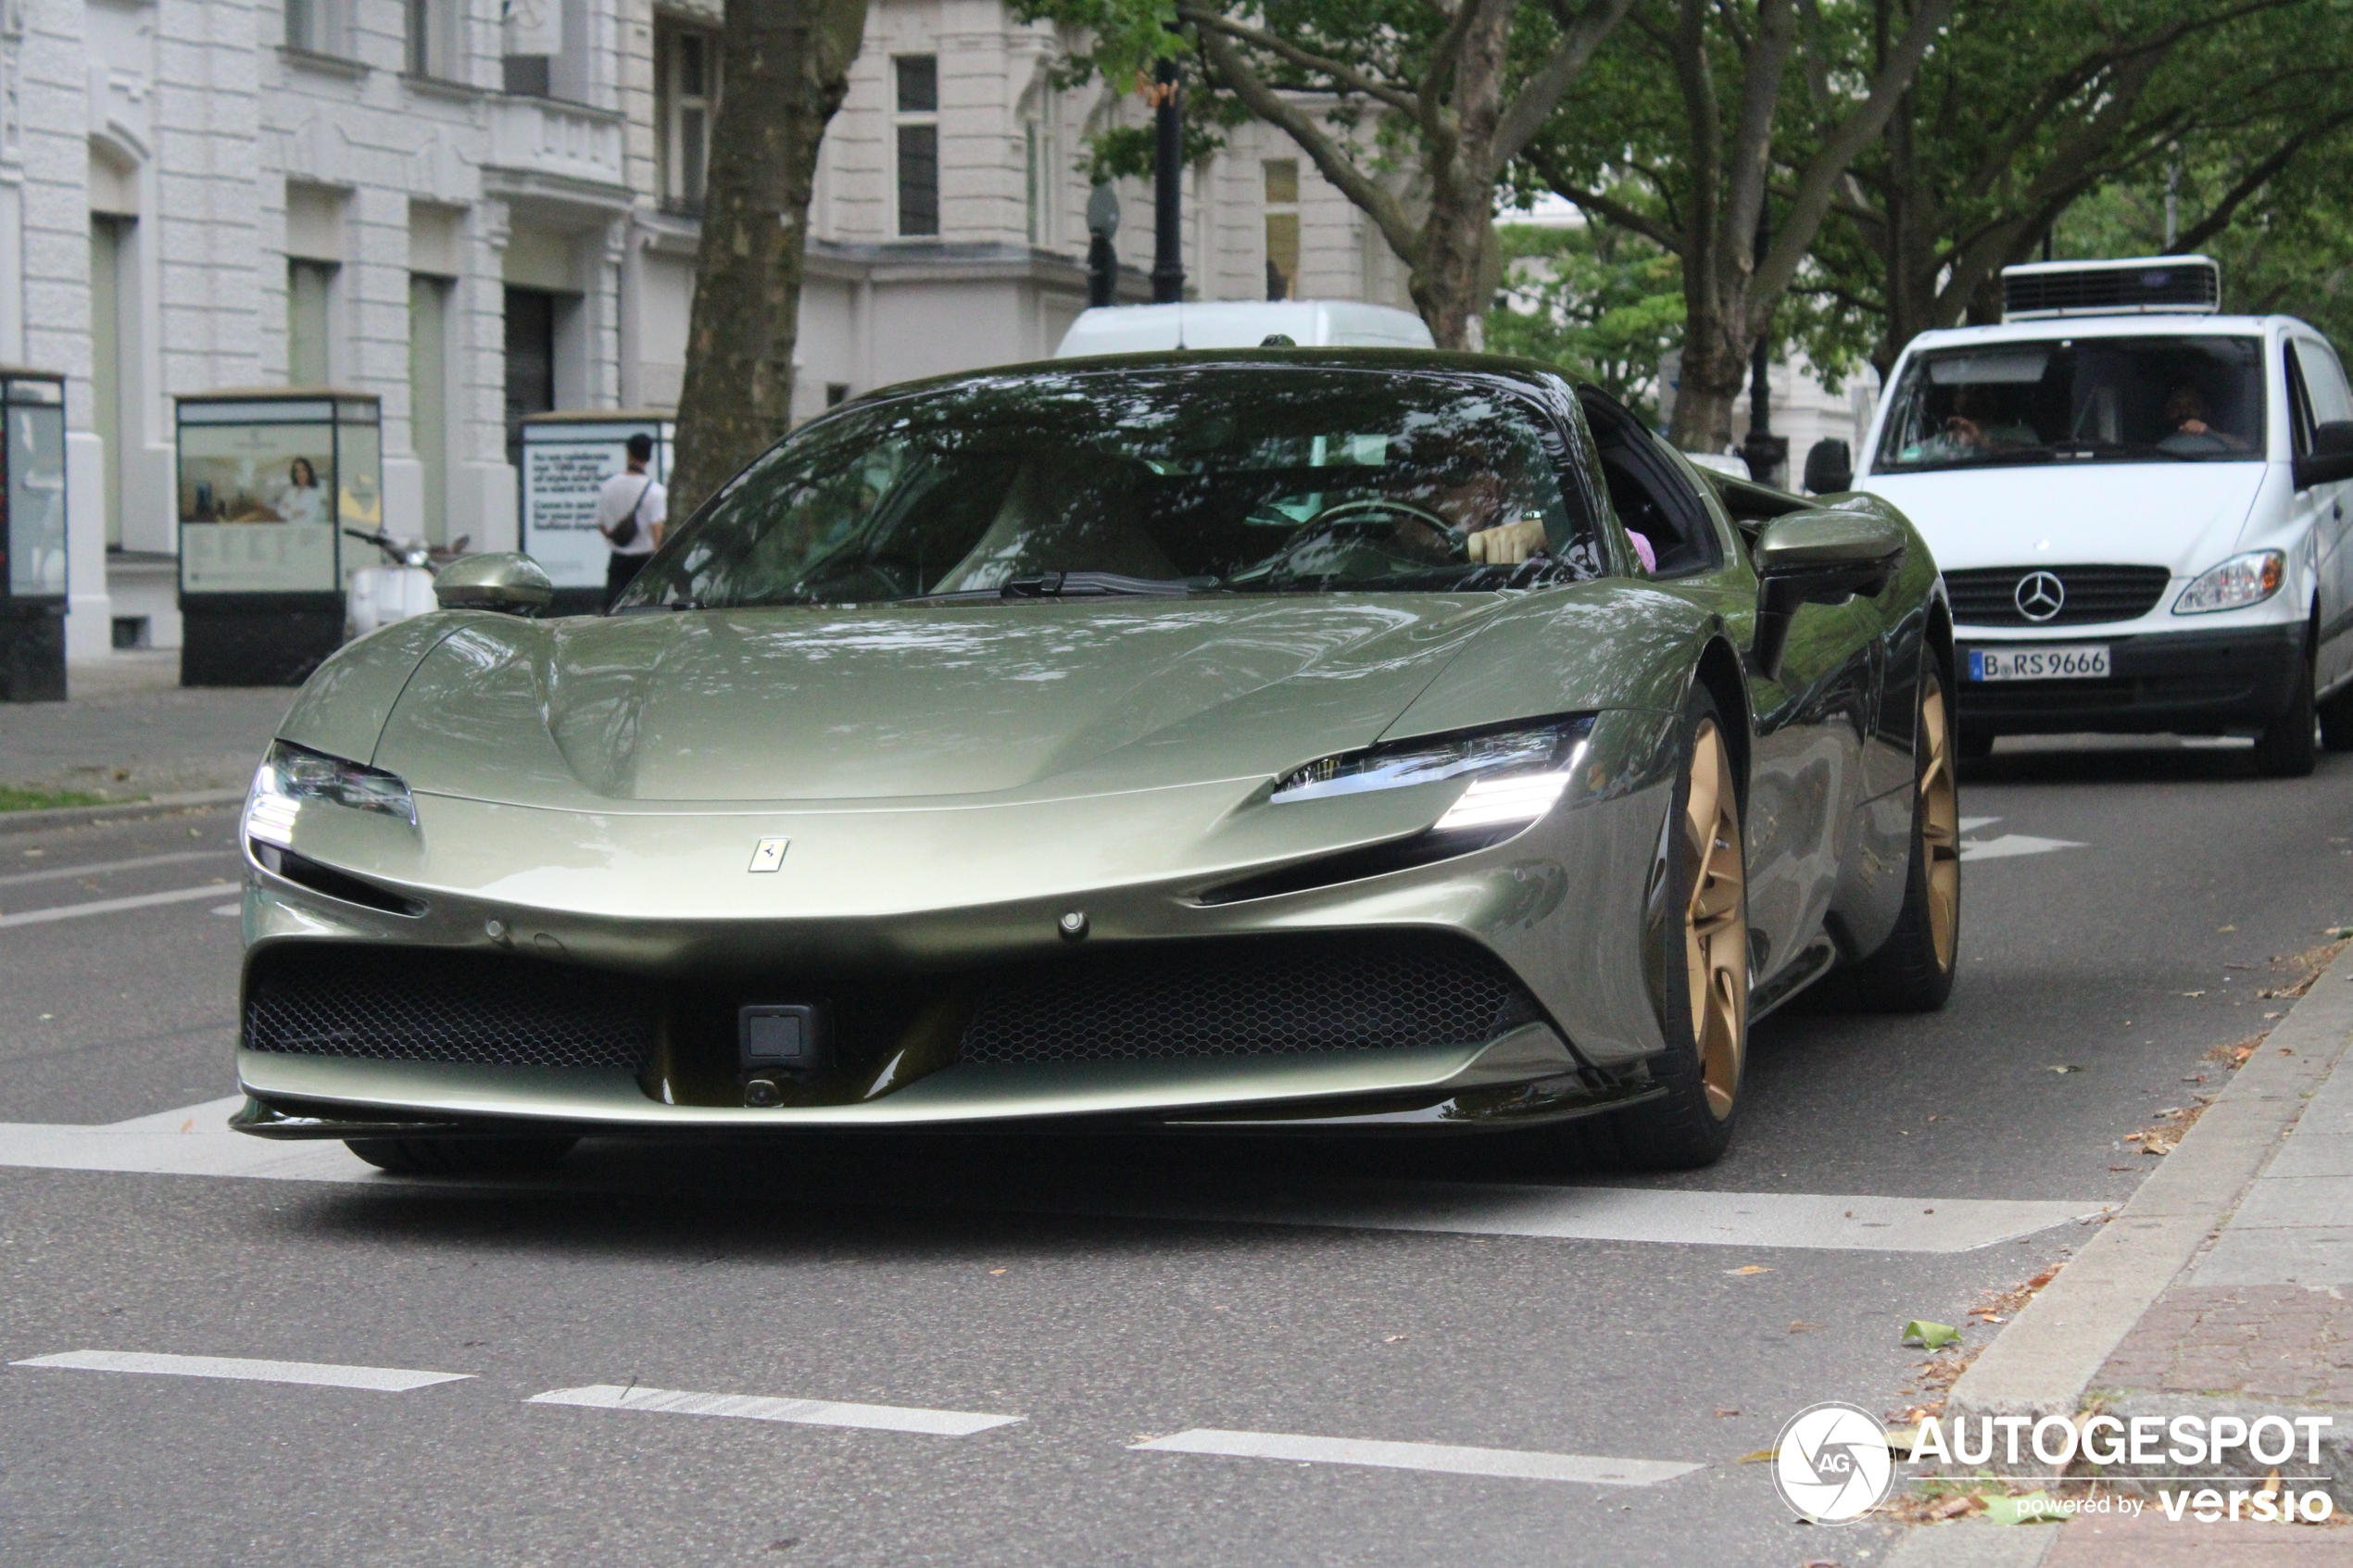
(1356, 520)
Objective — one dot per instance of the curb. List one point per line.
(129, 810)
(2044, 1362)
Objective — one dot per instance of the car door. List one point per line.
(1806, 771)
(2316, 394)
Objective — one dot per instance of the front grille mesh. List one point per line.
(329, 999)
(1270, 996)
(1988, 596)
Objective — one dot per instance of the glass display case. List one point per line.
(566, 459)
(32, 536)
(268, 480)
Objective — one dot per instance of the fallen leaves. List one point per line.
(1721, 1413)
(2067, 1067)
(1799, 1325)
(1930, 1336)
(1751, 1269)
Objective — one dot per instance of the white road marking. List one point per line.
(324, 1374)
(1970, 824)
(228, 910)
(1514, 1463)
(178, 858)
(800, 1413)
(194, 1141)
(2011, 843)
(115, 906)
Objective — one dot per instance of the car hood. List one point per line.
(2185, 516)
(1010, 701)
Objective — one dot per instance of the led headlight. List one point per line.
(2243, 580)
(1515, 773)
(292, 775)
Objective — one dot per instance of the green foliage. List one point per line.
(15, 799)
(1601, 304)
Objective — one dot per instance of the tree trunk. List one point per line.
(783, 69)
(1715, 370)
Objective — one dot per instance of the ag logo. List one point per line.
(1832, 1465)
(2039, 595)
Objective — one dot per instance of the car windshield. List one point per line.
(1236, 477)
(2114, 399)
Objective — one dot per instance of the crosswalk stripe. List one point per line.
(115, 906)
(324, 1374)
(798, 1412)
(1512, 1464)
(194, 1142)
(2011, 843)
(100, 868)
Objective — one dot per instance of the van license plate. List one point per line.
(2075, 662)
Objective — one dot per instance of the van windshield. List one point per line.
(2105, 399)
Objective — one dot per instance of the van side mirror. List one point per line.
(1830, 466)
(500, 580)
(1816, 558)
(2331, 457)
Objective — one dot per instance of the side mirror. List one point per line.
(2331, 457)
(502, 581)
(1830, 466)
(1816, 558)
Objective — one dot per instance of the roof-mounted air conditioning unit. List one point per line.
(2135, 286)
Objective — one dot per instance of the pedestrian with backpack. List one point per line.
(631, 510)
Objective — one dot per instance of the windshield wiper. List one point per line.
(1081, 584)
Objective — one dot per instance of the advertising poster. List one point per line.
(257, 508)
(564, 467)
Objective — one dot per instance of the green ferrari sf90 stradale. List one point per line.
(1328, 740)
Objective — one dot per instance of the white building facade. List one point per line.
(479, 209)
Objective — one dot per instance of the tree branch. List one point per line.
(2262, 174)
(1347, 76)
(1383, 209)
(1543, 91)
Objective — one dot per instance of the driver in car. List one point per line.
(2187, 413)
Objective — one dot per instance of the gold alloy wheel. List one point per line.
(1940, 827)
(1715, 919)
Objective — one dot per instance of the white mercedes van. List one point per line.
(2139, 505)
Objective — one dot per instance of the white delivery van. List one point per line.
(1242, 323)
(2139, 505)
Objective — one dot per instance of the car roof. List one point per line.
(1531, 372)
(2155, 323)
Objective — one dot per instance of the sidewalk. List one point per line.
(2224, 1286)
(129, 731)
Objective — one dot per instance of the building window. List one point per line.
(837, 394)
(309, 296)
(917, 81)
(433, 37)
(315, 26)
(1282, 226)
(687, 96)
(530, 37)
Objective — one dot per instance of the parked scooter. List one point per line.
(400, 588)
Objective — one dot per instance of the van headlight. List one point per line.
(1516, 771)
(2243, 580)
(291, 776)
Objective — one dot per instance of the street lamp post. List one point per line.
(1765, 453)
(1168, 168)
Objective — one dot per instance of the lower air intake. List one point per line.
(1265, 997)
(332, 999)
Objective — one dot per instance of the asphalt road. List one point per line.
(1024, 1278)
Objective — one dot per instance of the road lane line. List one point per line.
(177, 857)
(323, 1374)
(115, 906)
(798, 1412)
(2011, 843)
(1512, 1464)
(194, 1141)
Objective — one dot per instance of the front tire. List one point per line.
(1912, 971)
(2286, 750)
(1703, 966)
(461, 1157)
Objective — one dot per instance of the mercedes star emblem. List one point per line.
(2039, 595)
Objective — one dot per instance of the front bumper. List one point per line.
(2188, 681)
(1560, 910)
